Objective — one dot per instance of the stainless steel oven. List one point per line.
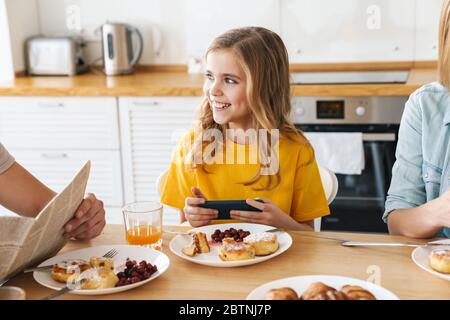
(359, 204)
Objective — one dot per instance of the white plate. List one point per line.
(301, 283)
(212, 258)
(421, 255)
(124, 251)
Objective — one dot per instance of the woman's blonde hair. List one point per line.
(264, 59)
(444, 45)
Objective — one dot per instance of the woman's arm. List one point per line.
(423, 221)
(22, 193)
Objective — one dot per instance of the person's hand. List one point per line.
(441, 210)
(89, 220)
(196, 215)
(270, 214)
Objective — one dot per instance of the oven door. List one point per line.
(359, 203)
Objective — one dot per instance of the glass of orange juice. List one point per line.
(143, 224)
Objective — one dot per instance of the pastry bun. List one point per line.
(281, 294)
(317, 291)
(63, 270)
(440, 260)
(265, 243)
(357, 293)
(199, 244)
(94, 278)
(230, 250)
(100, 262)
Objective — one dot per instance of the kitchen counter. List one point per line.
(146, 82)
(308, 255)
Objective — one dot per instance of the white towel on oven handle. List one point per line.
(341, 152)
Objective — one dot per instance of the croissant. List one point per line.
(320, 291)
(281, 294)
(357, 293)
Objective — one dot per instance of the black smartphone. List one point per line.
(225, 206)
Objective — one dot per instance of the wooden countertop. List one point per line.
(307, 256)
(147, 82)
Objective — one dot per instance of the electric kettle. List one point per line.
(119, 53)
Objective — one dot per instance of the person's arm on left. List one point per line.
(22, 193)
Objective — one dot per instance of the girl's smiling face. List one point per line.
(224, 87)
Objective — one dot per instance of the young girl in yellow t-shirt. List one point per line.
(244, 145)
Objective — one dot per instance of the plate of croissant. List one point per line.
(231, 244)
(88, 272)
(320, 287)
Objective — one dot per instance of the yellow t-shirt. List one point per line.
(299, 193)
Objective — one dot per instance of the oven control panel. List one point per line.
(348, 110)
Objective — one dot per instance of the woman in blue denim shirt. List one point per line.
(418, 201)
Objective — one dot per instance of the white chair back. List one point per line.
(160, 180)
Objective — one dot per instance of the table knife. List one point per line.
(391, 244)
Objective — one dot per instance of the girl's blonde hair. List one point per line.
(264, 59)
(444, 45)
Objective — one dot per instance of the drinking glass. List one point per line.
(143, 224)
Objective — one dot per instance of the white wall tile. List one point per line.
(146, 15)
(427, 26)
(23, 22)
(323, 30)
(205, 19)
(332, 31)
(6, 59)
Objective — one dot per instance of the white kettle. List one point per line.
(120, 51)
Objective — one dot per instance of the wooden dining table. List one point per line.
(310, 254)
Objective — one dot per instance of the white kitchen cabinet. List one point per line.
(57, 168)
(59, 122)
(150, 128)
(52, 137)
(348, 30)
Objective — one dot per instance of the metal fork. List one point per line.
(110, 254)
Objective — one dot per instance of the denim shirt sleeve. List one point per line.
(407, 189)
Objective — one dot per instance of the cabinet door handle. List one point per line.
(54, 155)
(51, 104)
(146, 103)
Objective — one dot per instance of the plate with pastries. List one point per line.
(87, 272)
(231, 244)
(434, 259)
(320, 287)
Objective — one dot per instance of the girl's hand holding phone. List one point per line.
(270, 214)
(197, 216)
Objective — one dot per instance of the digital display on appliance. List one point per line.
(330, 109)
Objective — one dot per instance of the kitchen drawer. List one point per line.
(57, 168)
(59, 122)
